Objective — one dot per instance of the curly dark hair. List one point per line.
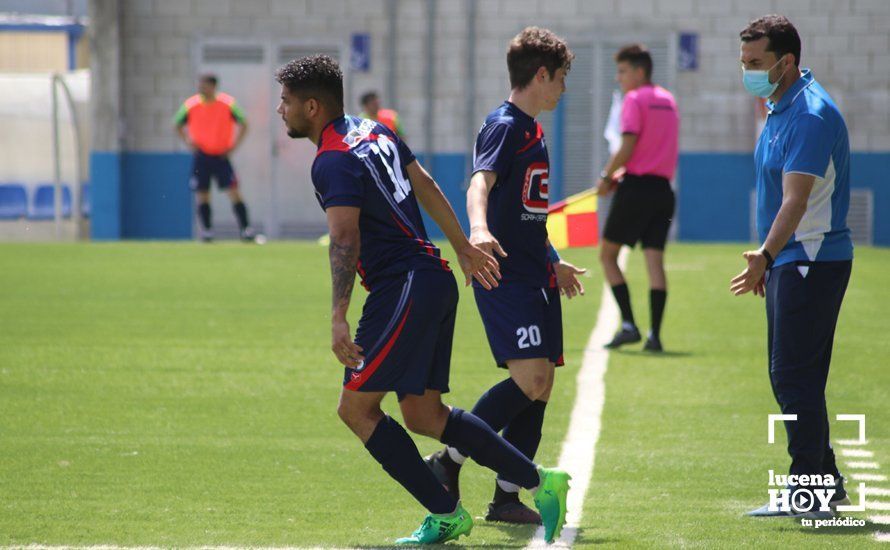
(781, 34)
(315, 76)
(532, 49)
(637, 56)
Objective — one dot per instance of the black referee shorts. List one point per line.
(641, 211)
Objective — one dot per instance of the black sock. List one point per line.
(240, 213)
(622, 296)
(466, 431)
(204, 214)
(394, 449)
(657, 299)
(524, 431)
(499, 405)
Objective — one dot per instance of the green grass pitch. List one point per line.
(182, 395)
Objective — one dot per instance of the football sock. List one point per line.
(463, 430)
(505, 492)
(657, 299)
(622, 296)
(240, 213)
(393, 448)
(204, 214)
(498, 406)
(524, 432)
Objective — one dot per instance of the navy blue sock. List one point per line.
(499, 405)
(524, 431)
(394, 449)
(466, 431)
(204, 214)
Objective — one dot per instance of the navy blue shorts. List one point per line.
(405, 332)
(521, 322)
(205, 167)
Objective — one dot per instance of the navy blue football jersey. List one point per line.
(511, 144)
(362, 163)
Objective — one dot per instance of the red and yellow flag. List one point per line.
(573, 221)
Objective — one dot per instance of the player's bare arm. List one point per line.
(343, 253)
(184, 136)
(606, 184)
(474, 262)
(477, 208)
(796, 190)
(567, 277)
(242, 132)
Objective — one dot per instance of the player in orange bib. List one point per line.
(206, 122)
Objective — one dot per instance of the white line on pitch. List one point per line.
(882, 537)
(869, 477)
(877, 505)
(857, 453)
(880, 520)
(579, 447)
(864, 465)
(877, 491)
(851, 442)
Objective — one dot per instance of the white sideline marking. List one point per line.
(864, 465)
(857, 453)
(869, 477)
(880, 520)
(882, 537)
(851, 442)
(579, 447)
(877, 505)
(877, 491)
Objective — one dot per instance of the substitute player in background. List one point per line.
(211, 118)
(369, 184)
(388, 117)
(507, 205)
(802, 178)
(644, 201)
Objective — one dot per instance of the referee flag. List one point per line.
(573, 222)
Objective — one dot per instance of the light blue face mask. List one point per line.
(757, 82)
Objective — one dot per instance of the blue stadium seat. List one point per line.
(13, 201)
(85, 200)
(44, 208)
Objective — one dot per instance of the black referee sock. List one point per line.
(204, 215)
(393, 448)
(466, 431)
(241, 213)
(524, 431)
(622, 296)
(657, 299)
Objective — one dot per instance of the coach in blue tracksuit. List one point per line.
(802, 164)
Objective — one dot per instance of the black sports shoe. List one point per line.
(653, 344)
(507, 507)
(446, 471)
(624, 336)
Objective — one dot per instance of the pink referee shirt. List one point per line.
(651, 113)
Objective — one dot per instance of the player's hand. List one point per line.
(348, 352)
(479, 265)
(752, 278)
(567, 279)
(484, 240)
(604, 187)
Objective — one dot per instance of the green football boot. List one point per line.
(550, 499)
(439, 528)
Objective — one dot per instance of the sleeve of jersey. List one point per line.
(237, 112)
(338, 179)
(181, 115)
(405, 153)
(631, 121)
(495, 148)
(809, 146)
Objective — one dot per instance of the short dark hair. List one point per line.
(209, 78)
(315, 76)
(637, 56)
(367, 96)
(532, 49)
(781, 35)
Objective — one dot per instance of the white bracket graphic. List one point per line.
(857, 508)
(773, 418)
(855, 418)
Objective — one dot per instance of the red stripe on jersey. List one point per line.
(361, 273)
(331, 141)
(358, 379)
(539, 133)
